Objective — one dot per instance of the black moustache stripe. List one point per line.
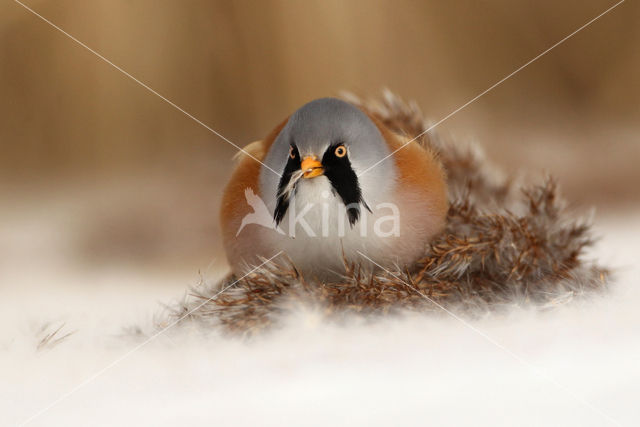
(293, 164)
(345, 182)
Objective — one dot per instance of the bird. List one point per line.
(339, 187)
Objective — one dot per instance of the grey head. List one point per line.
(328, 139)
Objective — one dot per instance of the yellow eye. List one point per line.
(292, 154)
(341, 151)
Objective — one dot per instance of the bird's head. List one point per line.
(328, 139)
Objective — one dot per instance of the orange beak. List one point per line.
(311, 167)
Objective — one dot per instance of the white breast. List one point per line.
(317, 234)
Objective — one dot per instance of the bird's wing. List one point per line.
(255, 149)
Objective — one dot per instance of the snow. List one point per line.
(576, 365)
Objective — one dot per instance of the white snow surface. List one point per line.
(576, 365)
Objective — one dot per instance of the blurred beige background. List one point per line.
(97, 172)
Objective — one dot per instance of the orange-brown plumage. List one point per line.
(421, 170)
(245, 175)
